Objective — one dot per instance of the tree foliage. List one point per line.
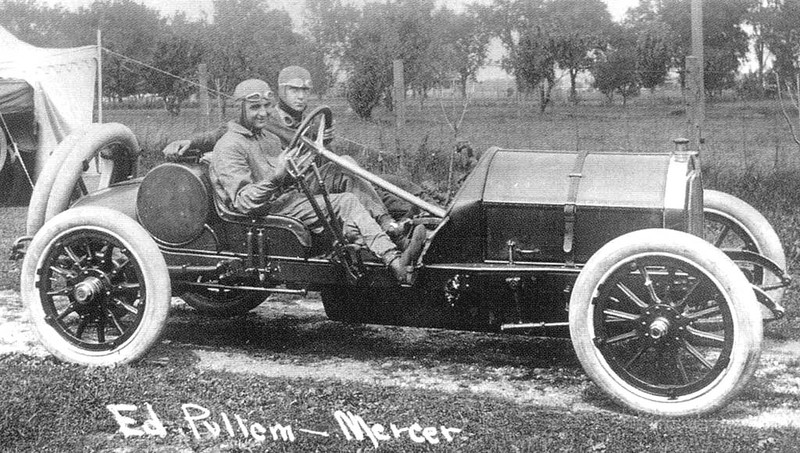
(577, 29)
(462, 44)
(617, 70)
(779, 27)
(356, 42)
(541, 34)
(725, 42)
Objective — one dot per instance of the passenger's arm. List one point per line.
(203, 142)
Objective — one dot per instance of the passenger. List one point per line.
(294, 85)
(249, 176)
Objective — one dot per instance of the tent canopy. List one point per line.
(58, 83)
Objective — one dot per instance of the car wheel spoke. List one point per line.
(711, 339)
(631, 295)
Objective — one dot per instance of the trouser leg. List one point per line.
(397, 206)
(338, 181)
(356, 219)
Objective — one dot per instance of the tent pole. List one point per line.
(99, 77)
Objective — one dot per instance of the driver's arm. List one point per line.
(242, 190)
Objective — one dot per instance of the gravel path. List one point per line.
(553, 387)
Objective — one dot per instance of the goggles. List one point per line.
(257, 97)
(298, 83)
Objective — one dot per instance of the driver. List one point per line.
(248, 173)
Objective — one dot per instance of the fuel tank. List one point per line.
(561, 206)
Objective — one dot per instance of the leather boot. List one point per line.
(403, 264)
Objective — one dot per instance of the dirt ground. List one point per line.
(292, 338)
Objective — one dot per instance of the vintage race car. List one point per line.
(605, 247)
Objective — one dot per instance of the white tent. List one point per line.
(63, 83)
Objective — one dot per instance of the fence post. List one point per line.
(399, 93)
(399, 104)
(695, 67)
(695, 101)
(202, 98)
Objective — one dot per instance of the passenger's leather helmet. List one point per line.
(295, 76)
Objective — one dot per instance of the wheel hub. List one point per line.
(658, 328)
(86, 291)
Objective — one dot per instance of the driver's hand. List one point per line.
(176, 149)
(282, 165)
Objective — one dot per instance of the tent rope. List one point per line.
(16, 149)
(141, 63)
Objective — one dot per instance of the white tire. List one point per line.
(96, 287)
(665, 324)
(730, 223)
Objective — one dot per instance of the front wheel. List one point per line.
(96, 287)
(665, 323)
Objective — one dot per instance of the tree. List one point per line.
(178, 51)
(654, 49)
(386, 32)
(330, 25)
(724, 40)
(247, 40)
(37, 24)
(616, 70)
(780, 34)
(577, 29)
(464, 43)
(759, 18)
(130, 31)
(534, 62)
(509, 20)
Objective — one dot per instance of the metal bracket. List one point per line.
(570, 208)
(20, 248)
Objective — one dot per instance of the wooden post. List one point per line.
(695, 67)
(399, 93)
(205, 108)
(99, 76)
(694, 100)
(399, 101)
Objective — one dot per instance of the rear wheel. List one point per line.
(732, 224)
(665, 323)
(223, 303)
(96, 287)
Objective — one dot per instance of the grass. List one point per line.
(50, 406)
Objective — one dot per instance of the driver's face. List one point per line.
(295, 97)
(255, 114)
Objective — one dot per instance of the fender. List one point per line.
(97, 137)
(44, 183)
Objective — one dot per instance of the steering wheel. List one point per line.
(307, 147)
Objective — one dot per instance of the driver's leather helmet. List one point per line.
(251, 90)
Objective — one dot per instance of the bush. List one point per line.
(364, 92)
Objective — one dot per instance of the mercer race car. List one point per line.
(662, 287)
